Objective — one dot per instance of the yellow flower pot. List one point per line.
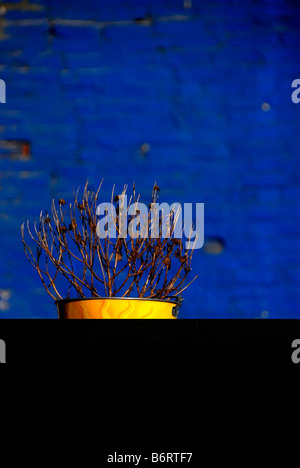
(118, 308)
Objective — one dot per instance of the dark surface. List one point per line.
(190, 346)
(151, 385)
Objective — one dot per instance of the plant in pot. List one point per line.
(131, 263)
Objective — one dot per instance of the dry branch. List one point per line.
(67, 241)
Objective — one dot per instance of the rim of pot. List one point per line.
(171, 299)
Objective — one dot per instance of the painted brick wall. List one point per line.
(207, 85)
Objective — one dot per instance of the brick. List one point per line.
(87, 95)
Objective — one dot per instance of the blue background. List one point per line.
(207, 88)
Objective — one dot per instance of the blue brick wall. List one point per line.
(208, 88)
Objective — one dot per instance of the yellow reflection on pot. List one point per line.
(115, 309)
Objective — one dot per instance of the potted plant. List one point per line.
(131, 263)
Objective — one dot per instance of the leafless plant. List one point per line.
(66, 244)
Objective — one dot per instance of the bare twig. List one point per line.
(69, 247)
